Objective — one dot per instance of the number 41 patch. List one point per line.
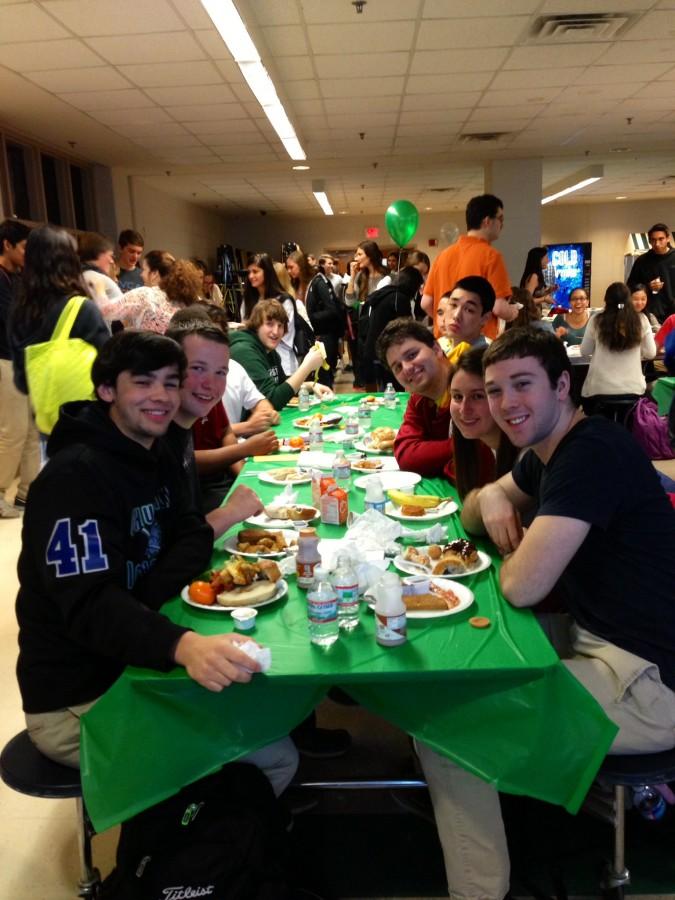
(68, 557)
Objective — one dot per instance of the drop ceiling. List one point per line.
(380, 101)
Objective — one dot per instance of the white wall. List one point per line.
(167, 223)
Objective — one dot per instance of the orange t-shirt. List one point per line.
(468, 256)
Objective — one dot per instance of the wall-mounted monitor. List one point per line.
(569, 268)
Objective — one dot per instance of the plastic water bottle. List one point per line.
(390, 396)
(346, 584)
(315, 435)
(649, 802)
(365, 413)
(375, 498)
(342, 471)
(322, 610)
(390, 612)
(303, 399)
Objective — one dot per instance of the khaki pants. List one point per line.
(467, 811)
(57, 735)
(19, 441)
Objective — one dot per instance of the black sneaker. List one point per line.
(322, 743)
(20, 503)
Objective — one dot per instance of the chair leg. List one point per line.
(616, 875)
(90, 877)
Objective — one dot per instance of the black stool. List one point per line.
(621, 772)
(616, 407)
(23, 768)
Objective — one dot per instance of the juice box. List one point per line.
(334, 505)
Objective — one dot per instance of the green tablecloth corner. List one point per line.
(497, 700)
(663, 391)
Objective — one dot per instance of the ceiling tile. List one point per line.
(40, 55)
(441, 101)
(281, 12)
(422, 117)
(294, 68)
(222, 127)
(114, 16)
(230, 71)
(172, 74)
(170, 140)
(487, 113)
(23, 21)
(437, 62)
(360, 65)
(143, 128)
(347, 87)
(534, 94)
(620, 74)
(285, 40)
(88, 100)
(151, 48)
(302, 90)
(223, 112)
(176, 96)
(638, 51)
(551, 56)
(435, 84)
(99, 78)
(213, 44)
(657, 25)
(498, 31)
(522, 78)
(361, 38)
(452, 9)
(141, 117)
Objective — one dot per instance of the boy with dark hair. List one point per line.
(606, 531)
(463, 313)
(131, 245)
(19, 441)
(423, 443)
(109, 535)
(656, 269)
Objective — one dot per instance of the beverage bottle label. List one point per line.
(305, 573)
(322, 610)
(390, 629)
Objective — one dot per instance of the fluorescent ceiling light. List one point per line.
(575, 182)
(233, 31)
(318, 189)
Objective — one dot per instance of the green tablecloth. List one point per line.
(497, 701)
(663, 391)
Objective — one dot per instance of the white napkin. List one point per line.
(263, 655)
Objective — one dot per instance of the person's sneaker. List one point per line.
(7, 511)
(322, 743)
(20, 502)
(349, 368)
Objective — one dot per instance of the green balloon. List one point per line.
(402, 219)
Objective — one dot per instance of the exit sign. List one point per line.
(372, 233)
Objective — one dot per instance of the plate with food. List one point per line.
(379, 440)
(455, 559)
(285, 476)
(261, 542)
(239, 583)
(432, 598)
(279, 516)
(419, 507)
(295, 401)
(391, 480)
(326, 420)
(371, 464)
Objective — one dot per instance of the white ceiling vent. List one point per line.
(581, 27)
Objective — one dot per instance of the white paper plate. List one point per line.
(444, 509)
(329, 420)
(231, 545)
(264, 521)
(403, 565)
(281, 591)
(267, 477)
(294, 402)
(463, 593)
(389, 464)
(390, 480)
(366, 446)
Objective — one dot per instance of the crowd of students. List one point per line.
(132, 496)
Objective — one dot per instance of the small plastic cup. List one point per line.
(244, 618)
(406, 488)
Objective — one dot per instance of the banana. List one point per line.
(318, 345)
(426, 501)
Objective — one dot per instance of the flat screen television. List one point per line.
(569, 267)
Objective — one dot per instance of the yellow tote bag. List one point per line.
(59, 370)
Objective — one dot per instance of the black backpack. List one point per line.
(221, 837)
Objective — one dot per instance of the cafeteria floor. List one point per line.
(38, 846)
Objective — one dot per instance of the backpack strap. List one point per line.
(67, 318)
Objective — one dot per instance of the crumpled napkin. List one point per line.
(263, 655)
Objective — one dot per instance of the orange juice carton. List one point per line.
(334, 505)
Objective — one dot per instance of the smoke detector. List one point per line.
(580, 27)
